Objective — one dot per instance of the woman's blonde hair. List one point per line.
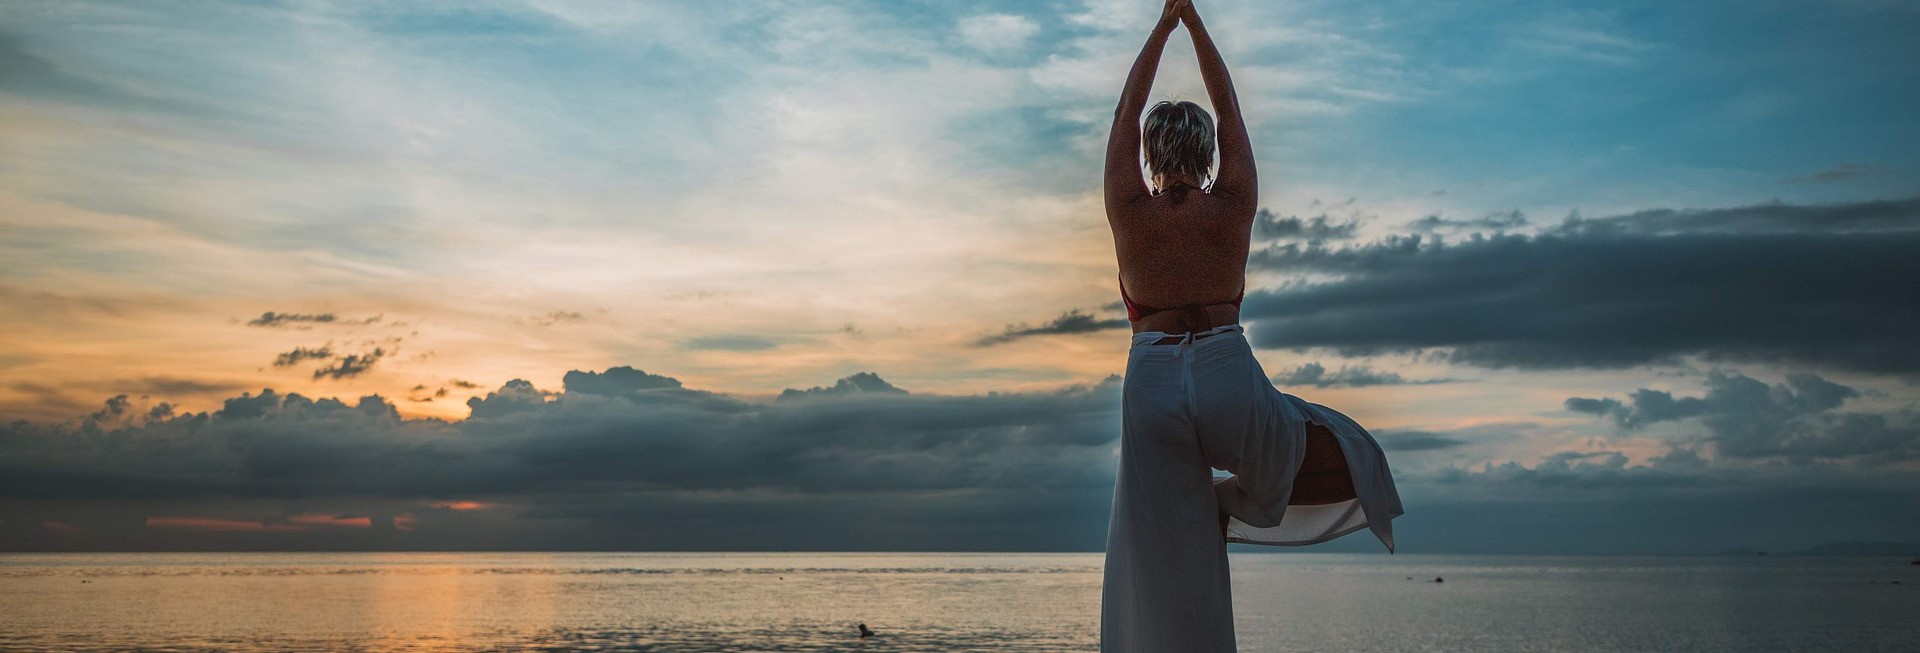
(1178, 137)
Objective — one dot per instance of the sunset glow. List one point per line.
(835, 275)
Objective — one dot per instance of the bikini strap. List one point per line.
(1192, 316)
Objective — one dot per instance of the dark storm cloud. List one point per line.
(622, 381)
(1501, 221)
(1585, 470)
(624, 459)
(119, 410)
(291, 358)
(1877, 216)
(293, 405)
(351, 365)
(272, 319)
(1073, 321)
(1744, 417)
(1832, 285)
(1593, 406)
(1348, 376)
(862, 383)
(618, 431)
(1267, 226)
(1681, 498)
(1416, 441)
(516, 396)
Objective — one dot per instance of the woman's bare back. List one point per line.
(1192, 252)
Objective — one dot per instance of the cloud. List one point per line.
(1831, 285)
(118, 412)
(1497, 222)
(272, 319)
(1776, 218)
(1416, 441)
(291, 358)
(1268, 227)
(1589, 406)
(623, 458)
(1836, 174)
(169, 385)
(622, 381)
(858, 385)
(351, 365)
(731, 343)
(24, 72)
(517, 395)
(1589, 36)
(617, 445)
(1356, 376)
(555, 317)
(1582, 470)
(1073, 321)
(1745, 418)
(269, 404)
(993, 33)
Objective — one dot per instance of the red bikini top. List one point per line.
(1135, 312)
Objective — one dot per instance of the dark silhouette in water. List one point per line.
(865, 632)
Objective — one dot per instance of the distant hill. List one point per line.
(1838, 549)
(1862, 549)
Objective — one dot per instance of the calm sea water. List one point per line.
(934, 602)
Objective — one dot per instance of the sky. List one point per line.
(1606, 277)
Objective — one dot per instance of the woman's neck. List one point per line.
(1165, 181)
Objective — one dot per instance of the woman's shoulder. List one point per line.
(1195, 205)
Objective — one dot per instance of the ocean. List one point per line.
(674, 602)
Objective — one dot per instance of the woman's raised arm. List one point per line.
(1236, 177)
(1123, 142)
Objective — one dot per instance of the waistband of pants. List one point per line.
(1152, 338)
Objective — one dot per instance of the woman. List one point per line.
(1195, 399)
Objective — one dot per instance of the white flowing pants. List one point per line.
(1187, 409)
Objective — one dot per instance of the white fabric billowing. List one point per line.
(1187, 409)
